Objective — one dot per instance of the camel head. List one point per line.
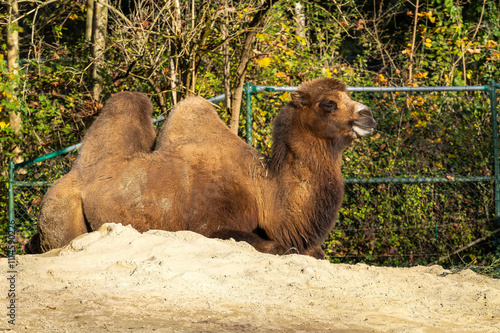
(325, 110)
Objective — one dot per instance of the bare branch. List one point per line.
(116, 11)
(42, 4)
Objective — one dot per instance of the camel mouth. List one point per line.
(362, 131)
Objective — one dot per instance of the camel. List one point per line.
(202, 177)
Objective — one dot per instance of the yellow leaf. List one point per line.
(421, 124)
(420, 75)
(328, 73)
(264, 62)
(261, 37)
(491, 43)
(280, 75)
(285, 97)
(301, 40)
(3, 124)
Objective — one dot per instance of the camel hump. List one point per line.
(195, 112)
(122, 130)
(194, 120)
(128, 104)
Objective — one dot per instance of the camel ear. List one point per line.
(300, 98)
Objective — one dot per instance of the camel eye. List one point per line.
(328, 106)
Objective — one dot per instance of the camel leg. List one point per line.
(61, 217)
(315, 252)
(260, 244)
(264, 245)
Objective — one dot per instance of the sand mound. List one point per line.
(117, 279)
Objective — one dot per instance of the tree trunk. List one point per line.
(226, 65)
(246, 55)
(99, 25)
(12, 65)
(415, 21)
(175, 73)
(301, 21)
(90, 19)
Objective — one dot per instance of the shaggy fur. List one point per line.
(122, 131)
(201, 177)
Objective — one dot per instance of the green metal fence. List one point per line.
(425, 185)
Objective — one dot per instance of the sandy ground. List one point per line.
(118, 280)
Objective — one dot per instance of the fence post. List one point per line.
(494, 124)
(248, 90)
(11, 198)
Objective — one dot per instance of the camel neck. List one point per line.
(315, 162)
(309, 193)
(311, 154)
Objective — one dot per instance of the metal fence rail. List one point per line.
(431, 171)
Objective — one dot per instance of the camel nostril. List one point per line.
(366, 112)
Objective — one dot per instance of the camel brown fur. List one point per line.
(122, 131)
(201, 177)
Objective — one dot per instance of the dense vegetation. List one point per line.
(201, 47)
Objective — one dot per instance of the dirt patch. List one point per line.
(118, 280)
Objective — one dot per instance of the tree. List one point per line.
(245, 55)
(99, 12)
(89, 20)
(12, 64)
(170, 44)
